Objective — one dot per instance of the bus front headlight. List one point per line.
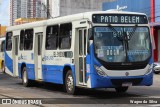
(150, 69)
(100, 71)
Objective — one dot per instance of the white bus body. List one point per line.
(61, 51)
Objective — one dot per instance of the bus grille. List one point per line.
(118, 82)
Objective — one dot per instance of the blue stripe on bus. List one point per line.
(8, 63)
(54, 73)
(50, 73)
(30, 70)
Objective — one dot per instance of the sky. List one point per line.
(4, 12)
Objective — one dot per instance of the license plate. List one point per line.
(126, 84)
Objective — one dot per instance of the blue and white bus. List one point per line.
(2, 46)
(101, 49)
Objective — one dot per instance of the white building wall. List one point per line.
(55, 8)
(66, 7)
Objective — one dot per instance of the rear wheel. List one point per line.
(3, 67)
(26, 82)
(121, 89)
(69, 83)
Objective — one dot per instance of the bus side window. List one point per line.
(28, 39)
(65, 36)
(22, 34)
(9, 41)
(52, 37)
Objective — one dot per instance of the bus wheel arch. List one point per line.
(22, 66)
(68, 80)
(25, 81)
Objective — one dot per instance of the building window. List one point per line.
(9, 41)
(52, 37)
(65, 36)
(28, 39)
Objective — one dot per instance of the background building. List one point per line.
(26, 9)
(151, 8)
(2, 30)
(50, 8)
(67, 7)
(132, 5)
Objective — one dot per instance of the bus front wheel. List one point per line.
(69, 83)
(121, 89)
(26, 82)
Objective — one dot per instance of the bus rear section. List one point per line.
(2, 46)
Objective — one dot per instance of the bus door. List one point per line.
(38, 56)
(82, 33)
(15, 55)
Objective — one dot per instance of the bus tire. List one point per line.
(3, 67)
(25, 81)
(69, 83)
(121, 89)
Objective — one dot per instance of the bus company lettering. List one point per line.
(55, 54)
(120, 19)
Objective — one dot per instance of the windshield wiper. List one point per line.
(131, 33)
(124, 38)
(119, 37)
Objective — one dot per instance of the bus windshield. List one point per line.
(112, 45)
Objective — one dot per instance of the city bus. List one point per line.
(101, 49)
(2, 46)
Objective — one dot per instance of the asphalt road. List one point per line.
(53, 95)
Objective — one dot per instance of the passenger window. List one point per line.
(9, 41)
(22, 34)
(52, 37)
(28, 39)
(65, 36)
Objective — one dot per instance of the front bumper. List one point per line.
(111, 82)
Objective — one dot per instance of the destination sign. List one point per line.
(119, 19)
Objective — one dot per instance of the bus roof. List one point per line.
(69, 18)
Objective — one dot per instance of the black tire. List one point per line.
(156, 72)
(121, 89)
(69, 83)
(3, 67)
(25, 81)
